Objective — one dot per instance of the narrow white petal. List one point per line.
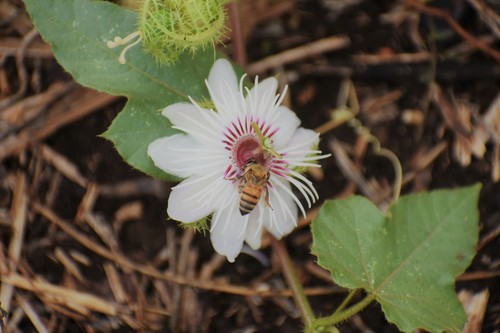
(185, 205)
(222, 80)
(229, 230)
(229, 108)
(228, 194)
(253, 235)
(301, 143)
(315, 157)
(180, 156)
(306, 193)
(192, 120)
(288, 122)
(301, 152)
(227, 197)
(282, 218)
(286, 188)
(260, 98)
(307, 184)
(210, 116)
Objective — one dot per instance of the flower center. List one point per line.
(247, 141)
(247, 148)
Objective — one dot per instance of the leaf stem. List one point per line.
(293, 282)
(338, 317)
(346, 301)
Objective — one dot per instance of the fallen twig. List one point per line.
(74, 106)
(400, 58)
(19, 215)
(63, 295)
(318, 47)
(488, 15)
(126, 264)
(420, 6)
(38, 49)
(352, 173)
(32, 314)
(21, 69)
(63, 165)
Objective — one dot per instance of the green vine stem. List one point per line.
(398, 170)
(321, 324)
(345, 114)
(377, 149)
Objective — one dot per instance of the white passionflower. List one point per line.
(217, 155)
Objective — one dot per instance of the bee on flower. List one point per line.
(239, 161)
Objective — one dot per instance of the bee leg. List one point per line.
(234, 178)
(267, 200)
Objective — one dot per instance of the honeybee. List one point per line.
(252, 183)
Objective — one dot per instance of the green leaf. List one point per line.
(78, 31)
(407, 259)
(133, 130)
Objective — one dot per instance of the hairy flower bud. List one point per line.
(170, 27)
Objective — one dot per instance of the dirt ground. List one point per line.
(85, 242)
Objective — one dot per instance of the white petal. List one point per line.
(253, 236)
(222, 80)
(182, 156)
(204, 125)
(190, 200)
(261, 98)
(301, 144)
(282, 219)
(229, 229)
(288, 122)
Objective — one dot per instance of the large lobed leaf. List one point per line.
(408, 259)
(78, 31)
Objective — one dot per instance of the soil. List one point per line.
(130, 208)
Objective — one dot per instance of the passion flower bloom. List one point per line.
(217, 154)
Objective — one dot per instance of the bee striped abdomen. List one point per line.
(253, 182)
(249, 198)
